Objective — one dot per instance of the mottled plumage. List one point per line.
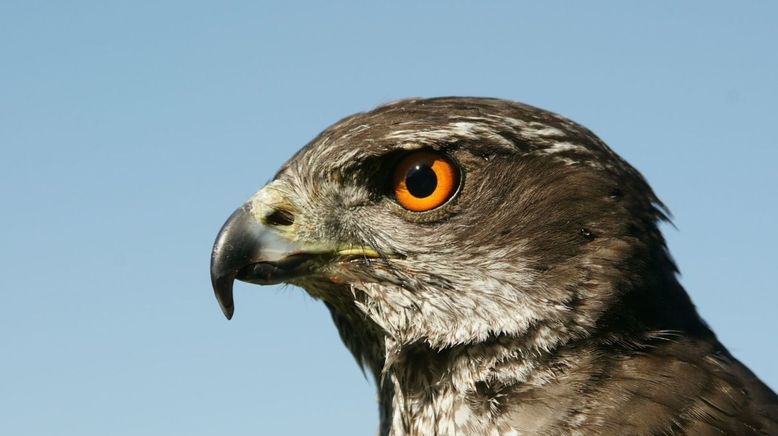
(540, 299)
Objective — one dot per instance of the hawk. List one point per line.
(499, 270)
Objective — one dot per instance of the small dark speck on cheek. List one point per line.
(586, 233)
(485, 156)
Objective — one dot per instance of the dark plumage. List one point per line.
(539, 299)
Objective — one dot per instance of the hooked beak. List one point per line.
(251, 251)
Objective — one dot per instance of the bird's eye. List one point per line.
(424, 180)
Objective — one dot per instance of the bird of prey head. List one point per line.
(499, 270)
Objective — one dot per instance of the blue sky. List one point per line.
(130, 130)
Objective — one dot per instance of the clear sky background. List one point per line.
(129, 131)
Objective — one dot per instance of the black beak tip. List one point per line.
(222, 287)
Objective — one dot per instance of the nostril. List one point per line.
(280, 217)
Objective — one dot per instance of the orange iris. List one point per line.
(424, 180)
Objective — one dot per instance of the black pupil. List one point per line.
(421, 181)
